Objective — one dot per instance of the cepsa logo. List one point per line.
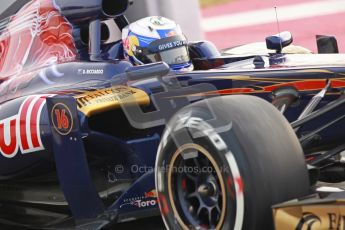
(22, 131)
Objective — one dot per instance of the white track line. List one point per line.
(285, 13)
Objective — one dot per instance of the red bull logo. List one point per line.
(22, 131)
(126, 44)
(151, 194)
(171, 33)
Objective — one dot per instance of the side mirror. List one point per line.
(327, 44)
(203, 49)
(278, 41)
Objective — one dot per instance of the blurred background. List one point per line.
(230, 23)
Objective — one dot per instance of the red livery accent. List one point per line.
(35, 120)
(22, 121)
(8, 148)
(300, 85)
(36, 36)
(22, 130)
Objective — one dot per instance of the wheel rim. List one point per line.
(196, 188)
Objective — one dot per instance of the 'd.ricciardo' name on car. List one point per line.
(90, 71)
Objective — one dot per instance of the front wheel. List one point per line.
(223, 162)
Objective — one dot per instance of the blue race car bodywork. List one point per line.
(79, 130)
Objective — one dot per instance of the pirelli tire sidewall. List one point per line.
(260, 143)
(218, 157)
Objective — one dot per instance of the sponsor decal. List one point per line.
(336, 221)
(307, 221)
(305, 215)
(62, 119)
(130, 45)
(149, 199)
(171, 33)
(152, 194)
(171, 45)
(110, 98)
(100, 96)
(22, 131)
(144, 203)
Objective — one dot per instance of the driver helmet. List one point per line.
(155, 39)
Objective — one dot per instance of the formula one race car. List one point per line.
(87, 140)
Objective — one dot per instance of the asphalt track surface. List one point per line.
(244, 21)
(154, 223)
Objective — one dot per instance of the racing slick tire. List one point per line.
(223, 162)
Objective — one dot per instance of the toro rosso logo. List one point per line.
(22, 131)
(148, 200)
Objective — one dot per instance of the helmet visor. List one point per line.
(174, 56)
